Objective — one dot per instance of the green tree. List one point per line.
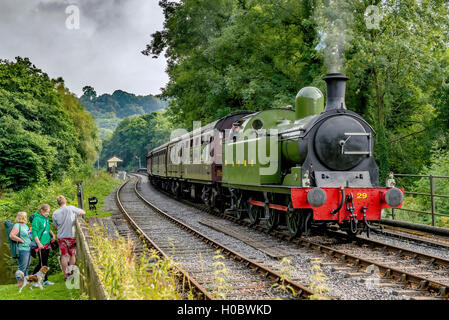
(228, 55)
(135, 137)
(42, 134)
(108, 110)
(89, 92)
(88, 142)
(395, 70)
(239, 54)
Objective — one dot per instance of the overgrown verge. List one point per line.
(126, 276)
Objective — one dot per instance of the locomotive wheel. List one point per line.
(273, 220)
(293, 222)
(254, 214)
(242, 208)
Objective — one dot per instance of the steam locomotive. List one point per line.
(310, 166)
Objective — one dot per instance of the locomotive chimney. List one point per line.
(336, 88)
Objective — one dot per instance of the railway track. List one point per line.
(421, 275)
(421, 282)
(195, 254)
(415, 236)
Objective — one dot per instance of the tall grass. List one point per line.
(129, 277)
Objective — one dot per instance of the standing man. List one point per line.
(64, 221)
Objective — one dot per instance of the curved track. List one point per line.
(195, 253)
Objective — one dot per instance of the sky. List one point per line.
(104, 52)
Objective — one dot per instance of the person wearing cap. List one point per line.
(234, 130)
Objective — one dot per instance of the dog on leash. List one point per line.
(37, 278)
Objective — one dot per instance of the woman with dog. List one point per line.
(42, 235)
(21, 234)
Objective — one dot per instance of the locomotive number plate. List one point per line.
(362, 195)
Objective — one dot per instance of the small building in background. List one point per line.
(113, 163)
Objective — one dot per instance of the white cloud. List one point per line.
(104, 52)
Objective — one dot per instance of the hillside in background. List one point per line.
(108, 110)
(134, 138)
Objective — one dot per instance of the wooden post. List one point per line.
(80, 194)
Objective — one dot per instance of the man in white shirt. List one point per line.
(64, 221)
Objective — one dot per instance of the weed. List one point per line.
(126, 276)
(317, 279)
(286, 270)
(221, 286)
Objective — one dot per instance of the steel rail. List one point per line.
(387, 272)
(200, 291)
(392, 248)
(404, 235)
(358, 262)
(300, 290)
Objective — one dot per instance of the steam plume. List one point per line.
(334, 20)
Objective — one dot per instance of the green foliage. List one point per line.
(395, 71)
(135, 137)
(228, 55)
(439, 167)
(88, 142)
(43, 131)
(286, 271)
(109, 110)
(238, 54)
(29, 199)
(317, 281)
(220, 286)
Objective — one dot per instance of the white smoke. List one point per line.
(335, 21)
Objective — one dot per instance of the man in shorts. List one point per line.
(64, 221)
